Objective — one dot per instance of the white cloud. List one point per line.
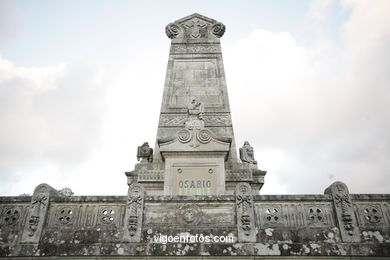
(50, 119)
(323, 108)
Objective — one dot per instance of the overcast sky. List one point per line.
(81, 85)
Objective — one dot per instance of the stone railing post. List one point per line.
(134, 213)
(37, 213)
(245, 213)
(345, 215)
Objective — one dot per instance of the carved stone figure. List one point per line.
(132, 225)
(247, 154)
(144, 153)
(195, 109)
(33, 225)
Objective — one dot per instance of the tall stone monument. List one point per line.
(192, 185)
(195, 151)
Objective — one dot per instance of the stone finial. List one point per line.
(144, 153)
(344, 211)
(247, 154)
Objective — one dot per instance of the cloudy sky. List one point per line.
(81, 86)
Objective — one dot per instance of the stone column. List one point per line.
(345, 215)
(134, 213)
(37, 213)
(245, 213)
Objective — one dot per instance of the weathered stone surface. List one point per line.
(37, 213)
(245, 214)
(343, 207)
(301, 225)
(134, 213)
(195, 70)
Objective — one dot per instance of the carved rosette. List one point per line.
(189, 214)
(172, 30)
(245, 213)
(11, 216)
(344, 212)
(203, 136)
(184, 135)
(65, 215)
(372, 214)
(134, 212)
(107, 215)
(315, 216)
(218, 29)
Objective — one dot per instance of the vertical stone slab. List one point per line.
(37, 213)
(245, 213)
(134, 213)
(345, 215)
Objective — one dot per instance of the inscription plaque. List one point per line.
(194, 180)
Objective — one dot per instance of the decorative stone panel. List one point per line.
(134, 213)
(344, 212)
(65, 216)
(109, 215)
(294, 215)
(195, 48)
(151, 176)
(173, 214)
(316, 216)
(245, 214)
(370, 215)
(10, 216)
(37, 213)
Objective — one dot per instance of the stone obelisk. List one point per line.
(195, 151)
(195, 70)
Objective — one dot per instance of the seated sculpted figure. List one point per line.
(247, 154)
(144, 153)
(195, 109)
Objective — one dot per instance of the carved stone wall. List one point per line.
(289, 225)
